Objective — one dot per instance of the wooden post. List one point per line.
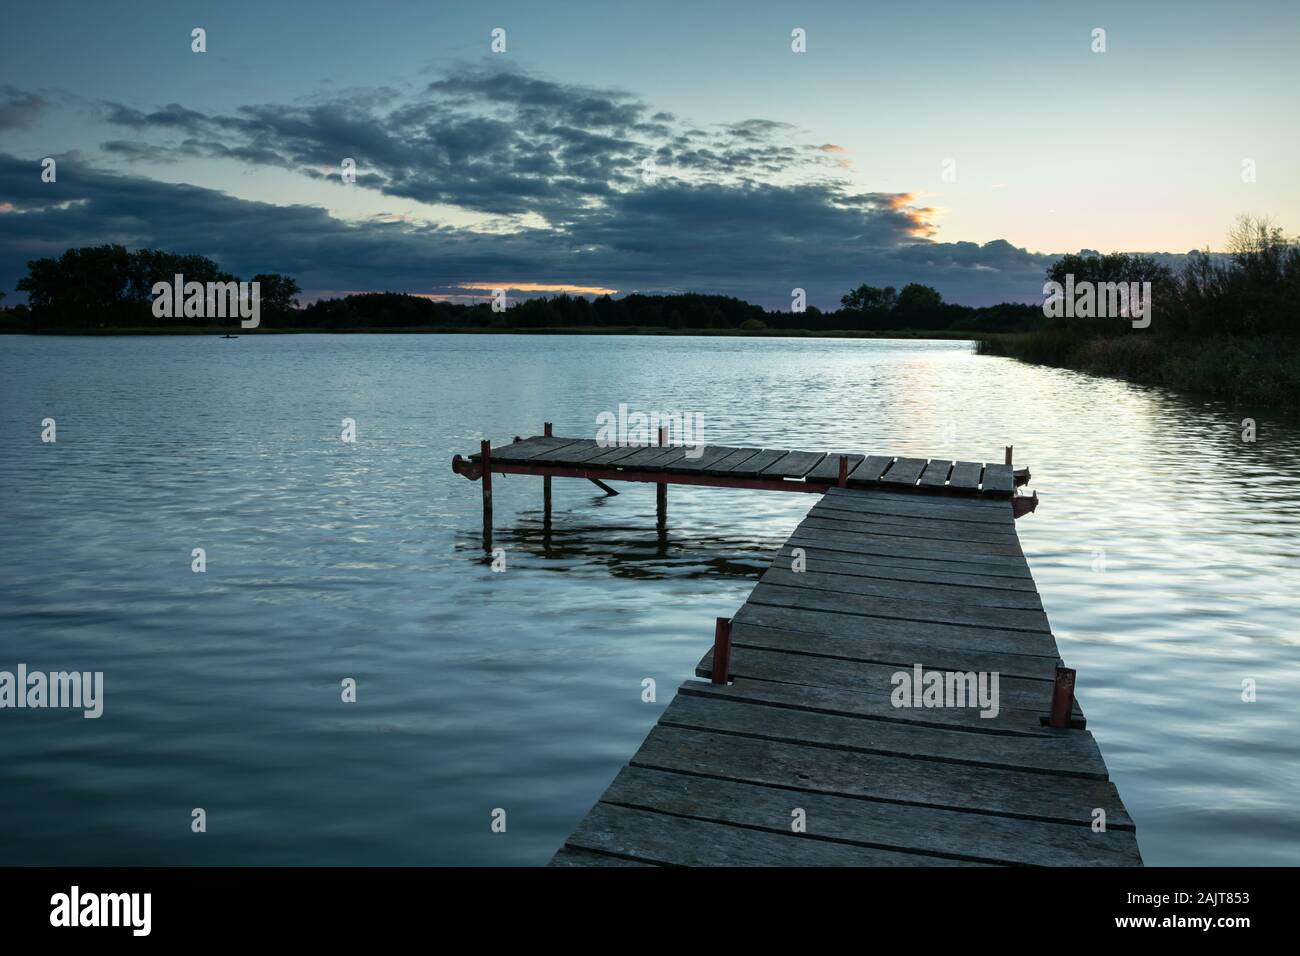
(1009, 448)
(546, 482)
(661, 489)
(844, 471)
(1062, 698)
(485, 459)
(721, 650)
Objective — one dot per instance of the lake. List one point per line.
(1166, 550)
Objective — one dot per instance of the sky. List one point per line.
(655, 147)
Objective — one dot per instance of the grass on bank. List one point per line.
(1262, 371)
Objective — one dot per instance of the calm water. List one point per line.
(522, 690)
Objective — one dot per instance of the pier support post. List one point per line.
(1010, 448)
(843, 479)
(721, 650)
(485, 459)
(661, 490)
(546, 482)
(1062, 698)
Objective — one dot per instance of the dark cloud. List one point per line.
(746, 208)
(18, 108)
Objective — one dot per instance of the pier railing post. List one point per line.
(1010, 448)
(721, 650)
(1062, 698)
(485, 459)
(844, 471)
(546, 482)
(661, 489)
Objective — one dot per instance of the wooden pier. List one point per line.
(798, 748)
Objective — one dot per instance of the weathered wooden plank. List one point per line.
(985, 507)
(900, 643)
(903, 590)
(869, 472)
(965, 476)
(849, 702)
(737, 457)
(962, 552)
(946, 833)
(784, 589)
(712, 455)
(752, 467)
(873, 549)
(569, 454)
(568, 856)
(999, 480)
(904, 472)
(1073, 756)
(613, 456)
(1034, 796)
(828, 469)
(521, 450)
(899, 569)
(1028, 695)
(680, 841)
(956, 549)
(911, 527)
(646, 458)
(922, 508)
(794, 464)
(936, 474)
(588, 456)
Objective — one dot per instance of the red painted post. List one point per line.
(1062, 698)
(485, 459)
(661, 489)
(721, 650)
(844, 471)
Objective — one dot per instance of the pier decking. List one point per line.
(795, 750)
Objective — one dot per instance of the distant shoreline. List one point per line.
(940, 334)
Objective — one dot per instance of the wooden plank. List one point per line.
(869, 472)
(613, 456)
(936, 474)
(753, 467)
(568, 856)
(977, 554)
(906, 505)
(984, 508)
(520, 450)
(646, 458)
(937, 530)
(999, 480)
(828, 469)
(737, 457)
(965, 476)
(874, 548)
(945, 833)
(784, 589)
(895, 569)
(903, 590)
(568, 454)
(712, 455)
(1073, 756)
(904, 472)
(794, 464)
(901, 643)
(1019, 696)
(680, 841)
(1034, 796)
(849, 702)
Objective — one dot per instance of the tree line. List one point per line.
(106, 288)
